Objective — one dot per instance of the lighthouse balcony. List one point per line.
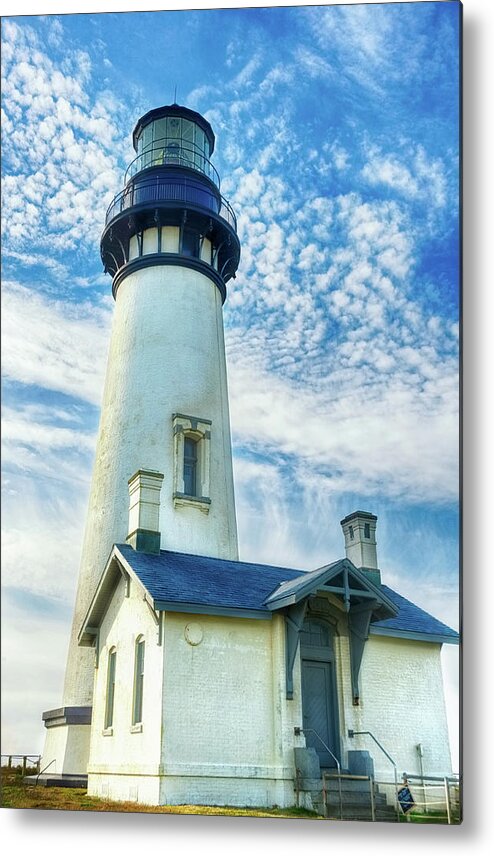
(170, 215)
(168, 189)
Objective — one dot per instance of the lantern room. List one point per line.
(170, 210)
(174, 135)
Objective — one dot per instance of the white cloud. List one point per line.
(312, 63)
(32, 673)
(42, 523)
(63, 147)
(19, 427)
(393, 439)
(53, 344)
(245, 77)
(419, 177)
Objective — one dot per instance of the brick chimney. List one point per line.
(359, 530)
(144, 511)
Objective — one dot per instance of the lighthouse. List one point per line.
(170, 245)
(193, 677)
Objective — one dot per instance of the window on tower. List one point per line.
(190, 243)
(190, 466)
(366, 530)
(192, 444)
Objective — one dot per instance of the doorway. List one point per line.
(319, 696)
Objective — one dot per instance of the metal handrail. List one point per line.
(172, 151)
(434, 783)
(351, 778)
(372, 798)
(306, 731)
(43, 770)
(170, 190)
(338, 765)
(438, 784)
(352, 733)
(453, 777)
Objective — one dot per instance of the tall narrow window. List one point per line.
(138, 682)
(366, 530)
(190, 466)
(110, 689)
(191, 462)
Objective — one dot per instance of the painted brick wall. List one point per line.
(124, 752)
(222, 689)
(228, 727)
(217, 727)
(227, 733)
(402, 703)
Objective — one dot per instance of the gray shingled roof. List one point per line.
(412, 619)
(180, 578)
(183, 578)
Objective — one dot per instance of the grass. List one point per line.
(16, 794)
(431, 817)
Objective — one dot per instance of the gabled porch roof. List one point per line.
(340, 578)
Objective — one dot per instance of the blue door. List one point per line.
(319, 703)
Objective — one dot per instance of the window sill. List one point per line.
(136, 729)
(107, 732)
(181, 500)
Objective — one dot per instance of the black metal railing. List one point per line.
(171, 151)
(171, 189)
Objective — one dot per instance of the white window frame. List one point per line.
(110, 691)
(137, 720)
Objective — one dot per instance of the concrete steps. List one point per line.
(356, 801)
(57, 780)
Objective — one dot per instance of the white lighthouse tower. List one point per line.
(170, 244)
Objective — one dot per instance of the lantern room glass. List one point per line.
(173, 140)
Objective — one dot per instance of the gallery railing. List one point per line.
(170, 189)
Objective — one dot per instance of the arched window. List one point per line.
(110, 688)
(192, 444)
(315, 634)
(138, 681)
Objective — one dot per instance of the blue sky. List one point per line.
(337, 142)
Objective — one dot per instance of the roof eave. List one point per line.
(415, 635)
(208, 609)
(308, 583)
(116, 567)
